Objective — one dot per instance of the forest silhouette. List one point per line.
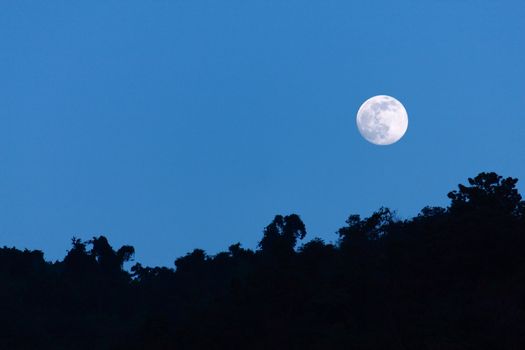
(448, 278)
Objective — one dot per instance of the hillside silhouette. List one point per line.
(449, 278)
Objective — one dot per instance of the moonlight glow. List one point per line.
(382, 120)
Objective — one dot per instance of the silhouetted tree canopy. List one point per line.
(449, 278)
(280, 237)
(488, 194)
(371, 228)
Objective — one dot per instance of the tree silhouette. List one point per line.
(449, 278)
(488, 194)
(280, 237)
(106, 257)
(371, 228)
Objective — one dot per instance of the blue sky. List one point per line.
(171, 125)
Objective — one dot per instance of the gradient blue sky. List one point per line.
(171, 125)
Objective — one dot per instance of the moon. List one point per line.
(382, 120)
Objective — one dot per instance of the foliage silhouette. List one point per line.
(449, 278)
(280, 237)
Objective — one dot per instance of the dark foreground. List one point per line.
(450, 278)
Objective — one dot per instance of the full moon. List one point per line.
(382, 120)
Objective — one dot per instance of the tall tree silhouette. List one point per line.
(108, 259)
(280, 237)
